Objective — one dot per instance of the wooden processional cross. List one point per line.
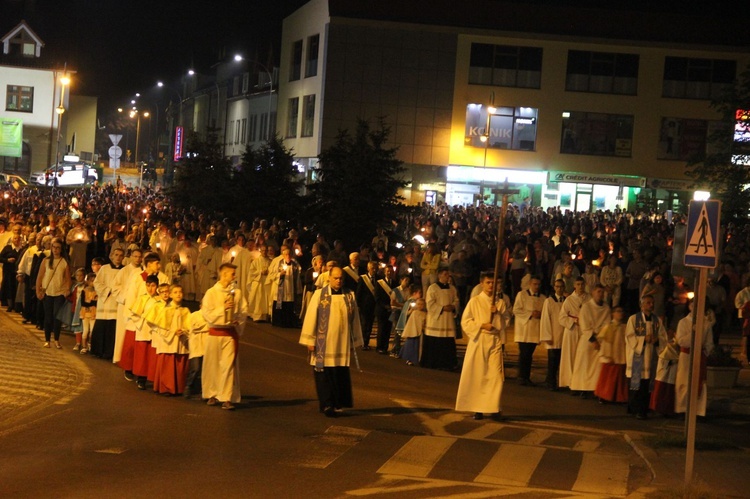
(505, 191)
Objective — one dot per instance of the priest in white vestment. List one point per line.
(103, 335)
(481, 385)
(528, 311)
(225, 309)
(643, 333)
(259, 289)
(551, 332)
(331, 331)
(684, 338)
(569, 319)
(122, 283)
(439, 342)
(594, 315)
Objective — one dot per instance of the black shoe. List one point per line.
(129, 376)
(365, 348)
(641, 416)
(478, 416)
(330, 412)
(381, 352)
(498, 416)
(141, 385)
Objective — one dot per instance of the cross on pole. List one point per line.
(505, 191)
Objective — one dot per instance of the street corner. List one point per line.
(34, 378)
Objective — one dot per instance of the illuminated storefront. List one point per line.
(590, 192)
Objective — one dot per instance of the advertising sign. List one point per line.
(11, 137)
(741, 145)
(179, 139)
(596, 178)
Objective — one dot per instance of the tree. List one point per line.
(723, 166)
(358, 179)
(268, 183)
(203, 178)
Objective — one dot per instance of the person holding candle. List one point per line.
(259, 291)
(286, 288)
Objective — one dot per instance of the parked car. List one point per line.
(14, 180)
(149, 171)
(70, 171)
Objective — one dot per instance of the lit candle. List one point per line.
(595, 263)
(422, 229)
(6, 195)
(573, 257)
(690, 295)
(610, 252)
(234, 253)
(284, 267)
(410, 270)
(315, 275)
(158, 245)
(79, 236)
(297, 251)
(382, 265)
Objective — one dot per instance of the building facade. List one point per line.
(32, 92)
(591, 114)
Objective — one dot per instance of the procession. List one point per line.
(165, 295)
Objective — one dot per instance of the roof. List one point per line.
(636, 21)
(25, 27)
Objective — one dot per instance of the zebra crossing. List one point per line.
(492, 459)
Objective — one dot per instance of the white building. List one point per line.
(586, 114)
(32, 91)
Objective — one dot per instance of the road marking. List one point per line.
(404, 488)
(483, 431)
(586, 445)
(535, 437)
(603, 474)
(418, 456)
(512, 464)
(113, 450)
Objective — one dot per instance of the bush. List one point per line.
(721, 356)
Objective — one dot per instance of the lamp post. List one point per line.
(485, 138)
(239, 58)
(60, 109)
(137, 115)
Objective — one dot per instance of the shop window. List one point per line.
(19, 98)
(597, 134)
(686, 78)
(602, 72)
(505, 65)
(509, 127)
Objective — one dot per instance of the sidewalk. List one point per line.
(34, 378)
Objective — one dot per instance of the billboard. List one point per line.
(11, 137)
(741, 143)
(179, 142)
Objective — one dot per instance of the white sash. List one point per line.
(351, 273)
(368, 283)
(385, 287)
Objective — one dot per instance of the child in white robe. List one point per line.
(412, 335)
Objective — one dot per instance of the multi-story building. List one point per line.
(589, 113)
(33, 91)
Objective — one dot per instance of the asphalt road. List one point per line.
(401, 440)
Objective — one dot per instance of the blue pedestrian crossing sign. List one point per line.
(702, 238)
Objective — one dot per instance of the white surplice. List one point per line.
(684, 338)
(569, 312)
(586, 368)
(441, 324)
(481, 385)
(343, 333)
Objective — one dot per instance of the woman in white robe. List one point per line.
(259, 288)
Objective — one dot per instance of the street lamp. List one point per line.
(135, 114)
(60, 109)
(485, 139)
(239, 58)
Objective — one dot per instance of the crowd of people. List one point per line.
(164, 293)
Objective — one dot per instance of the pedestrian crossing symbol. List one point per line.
(702, 238)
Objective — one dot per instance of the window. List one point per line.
(292, 117)
(682, 139)
(602, 72)
(253, 128)
(505, 65)
(308, 115)
(311, 61)
(509, 127)
(29, 49)
(19, 98)
(272, 125)
(697, 78)
(263, 125)
(236, 85)
(245, 82)
(237, 132)
(229, 132)
(243, 135)
(296, 67)
(597, 134)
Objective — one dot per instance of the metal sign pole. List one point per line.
(696, 352)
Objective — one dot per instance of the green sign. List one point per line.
(11, 135)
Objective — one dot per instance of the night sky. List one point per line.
(121, 47)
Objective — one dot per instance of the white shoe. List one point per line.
(46, 344)
(77, 347)
(83, 351)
